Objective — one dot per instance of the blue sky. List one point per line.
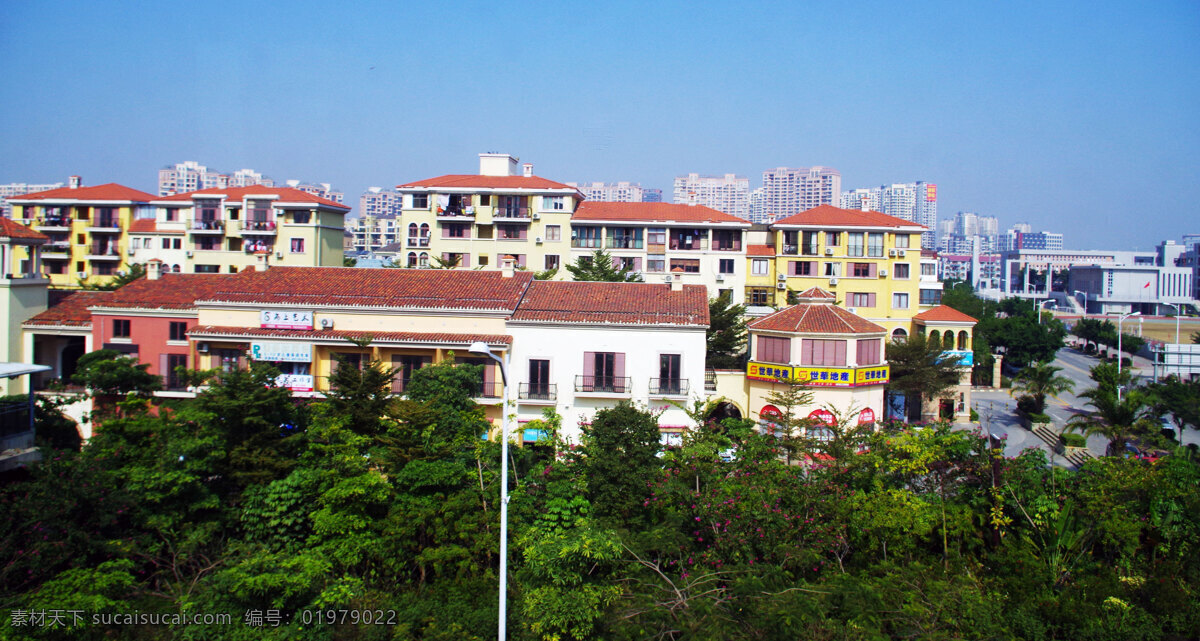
(1076, 117)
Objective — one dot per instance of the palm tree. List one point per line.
(1111, 418)
(1040, 380)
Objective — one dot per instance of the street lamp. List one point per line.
(1176, 307)
(1040, 309)
(1119, 357)
(481, 348)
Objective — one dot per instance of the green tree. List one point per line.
(1180, 399)
(1132, 343)
(619, 459)
(362, 394)
(349, 262)
(919, 371)
(599, 267)
(437, 262)
(1112, 418)
(1038, 381)
(726, 334)
(134, 272)
(791, 399)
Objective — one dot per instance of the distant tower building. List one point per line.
(728, 193)
(379, 203)
(189, 176)
(618, 192)
(863, 199)
(250, 178)
(18, 189)
(788, 191)
(756, 207)
(321, 190)
(915, 202)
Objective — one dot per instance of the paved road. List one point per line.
(997, 409)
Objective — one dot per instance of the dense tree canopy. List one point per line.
(726, 335)
(600, 266)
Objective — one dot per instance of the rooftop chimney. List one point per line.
(75, 182)
(260, 260)
(527, 170)
(153, 269)
(506, 266)
(676, 282)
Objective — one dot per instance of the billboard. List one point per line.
(930, 193)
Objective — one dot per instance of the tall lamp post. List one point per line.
(1119, 357)
(482, 349)
(1084, 305)
(1041, 308)
(1176, 308)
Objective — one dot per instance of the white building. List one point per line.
(19, 189)
(915, 202)
(788, 191)
(618, 192)
(728, 193)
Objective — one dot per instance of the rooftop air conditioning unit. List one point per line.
(202, 347)
(780, 286)
(832, 281)
(326, 323)
(892, 253)
(781, 277)
(883, 273)
(828, 251)
(537, 239)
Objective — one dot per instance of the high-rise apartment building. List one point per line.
(914, 202)
(618, 192)
(788, 191)
(190, 176)
(377, 202)
(18, 189)
(956, 236)
(320, 190)
(729, 193)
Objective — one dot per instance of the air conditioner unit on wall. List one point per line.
(537, 216)
(326, 323)
(892, 253)
(189, 253)
(537, 239)
(780, 286)
(828, 251)
(901, 253)
(883, 273)
(720, 278)
(202, 347)
(832, 281)
(81, 274)
(781, 277)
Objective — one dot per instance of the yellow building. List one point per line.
(955, 331)
(86, 229)
(870, 261)
(228, 229)
(22, 293)
(472, 221)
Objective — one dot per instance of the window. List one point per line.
(832, 238)
(423, 260)
(104, 269)
(808, 246)
(348, 359)
(688, 265)
(801, 267)
(208, 269)
(172, 215)
(854, 245)
(176, 243)
(554, 203)
(412, 260)
(688, 239)
(624, 238)
(604, 372)
(669, 381)
(586, 237)
(551, 261)
(931, 296)
(456, 230)
(861, 270)
(553, 232)
(297, 245)
(120, 328)
(656, 264)
(862, 299)
(511, 232)
(629, 263)
(227, 360)
(485, 200)
(900, 270)
(456, 260)
(868, 351)
(208, 243)
(420, 201)
(178, 331)
(833, 270)
(726, 240)
(483, 231)
(823, 352)
(900, 301)
(80, 239)
(773, 349)
(758, 296)
(725, 266)
(135, 243)
(539, 378)
(171, 363)
(405, 365)
(759, 267)
(928, 269)
(875, 244)
(483, 260)
(79, 265)
(656, 236)
(901, 241)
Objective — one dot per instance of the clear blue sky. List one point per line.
(1080, 117)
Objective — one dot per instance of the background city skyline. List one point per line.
(1069, 116)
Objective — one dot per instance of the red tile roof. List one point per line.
(830, 216)
(110, 191)
(170, 291)
(15, 230)
(613, 304)
(143, 226)
(817, 318)
(72, 310)
(473, 181)
(944, 313)
(217, 331)
(237, 194)
(760, 250)
(653, 212)
(817, 293)
(376, 288)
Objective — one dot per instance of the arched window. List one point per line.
(412, 259)
(423, 260)
(412, 231)
(424, 230)
(963, 340)
(935, 337)
(899, 335)
(175, 269)
(948, 339)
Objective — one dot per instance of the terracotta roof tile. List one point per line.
(170, 291)
(238, 194)
(72, 310)
(214, 331)
(817, 293)
(817, 318)
(760, 250)
(110, 191)
(830, 216)
(376, 288)
(944, 313)
(613, 303)
(653, 212)
(15, 230)
(473, 181)
(143, 226)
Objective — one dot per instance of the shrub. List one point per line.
(1040, 418)
(1027, 405)
(1071, 439)
(974, 416)
(1126, 362)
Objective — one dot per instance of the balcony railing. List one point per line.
(208, 225)
(259, 226)
(538, 391)
(494, 389)
(625, 243)
(727, 246)
(105, 223)
(58, 221)
(669, 386)
(104, 251)
(586, 243)
(456, 212)
(791, 250)
(418, 242)
(252, 248)
(697, 244)
(810, 250)
(710, 380)
(603, 384)
(521, 213)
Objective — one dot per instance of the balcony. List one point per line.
(809, 250)
(417, 242)
(668, 387)
(727, 246)
(519, 214)
(587, 384)
(253, 247)
(59, 223)
(208, 227)
(456, 213)
(264, 227)
(538, 392)
(624, 243)
(104, 225)
(682, 244)
(59, 251)
(104, 252)
(585, 243)
(489, 390)
(791, 250)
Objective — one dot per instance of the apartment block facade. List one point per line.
(11, 190)
(915, 202)
(787, 191)
(618, 192)
(729, 194)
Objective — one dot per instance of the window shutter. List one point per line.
(873, 270)
(164, 367)
(589, 364)
(839, 357)
(619, 365)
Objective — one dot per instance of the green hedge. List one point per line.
(1071, 439)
